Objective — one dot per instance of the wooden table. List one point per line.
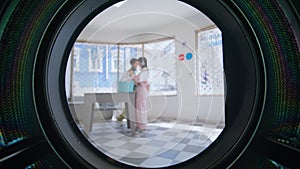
(103, 98)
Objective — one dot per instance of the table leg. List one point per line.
(127, 115)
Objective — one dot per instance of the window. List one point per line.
(162, 65)
(102, 64)
(210, 62)
(93, 75)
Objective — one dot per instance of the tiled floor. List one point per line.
(162, 145)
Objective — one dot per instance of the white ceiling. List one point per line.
(136, 16)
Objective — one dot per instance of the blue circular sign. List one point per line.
(189, 56)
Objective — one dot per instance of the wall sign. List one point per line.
(189, 56)
(181, 57)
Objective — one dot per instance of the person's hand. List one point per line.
(131, 73)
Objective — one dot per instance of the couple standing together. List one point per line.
(142, 89)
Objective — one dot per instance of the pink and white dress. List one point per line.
(142, 92)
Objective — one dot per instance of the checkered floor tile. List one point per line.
(163, 144)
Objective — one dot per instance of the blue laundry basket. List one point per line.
(127, 86)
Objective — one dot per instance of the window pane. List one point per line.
(94, 74)
(210, 61)
(162, 65)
